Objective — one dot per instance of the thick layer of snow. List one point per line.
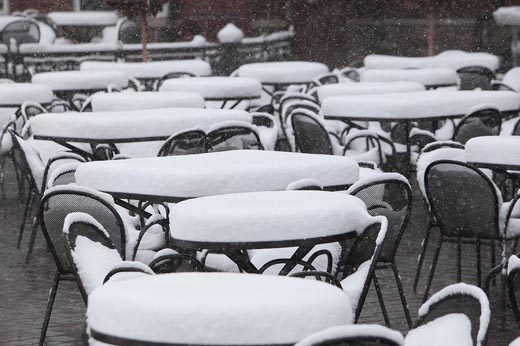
(215, 88)
(84, 18)
(113, 102)
(428, 77)
(230, 33)
(4, 20)
(290, 72)
(217, 309)
(516, 342)
(28, 48)
(354, 283)
(331, 90)
(447, 330)
(216, 173)
(452, 59)
(512, 78)
(303, 183)
(417, 105)
(513, 263)
(80, 80)
(15, 94)
(463, 288)
(132, 124)
(153, 69)
(267, 216)
(504, 150)
(507, 15)
(351, 332)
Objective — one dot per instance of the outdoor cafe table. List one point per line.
(13, 95)
(233, 223)
(499, 153)
(149, 125)
(217, 88)
(361, 88)
(67, 83)
(420, 105)
(214, 309)
(127, 101)
(176, 178)
(431, 78)
(76, 23)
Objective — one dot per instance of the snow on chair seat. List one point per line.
(372, 334)
(118, 102)
(448, 330)
(238, 309)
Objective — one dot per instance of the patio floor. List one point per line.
(24, 287)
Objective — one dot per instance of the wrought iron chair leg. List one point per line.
(381, 301)
(36, 223)
(493, 260)
(50, 304)
(432, 269)
(401, 295)
(421, 257)
(479, 264)
(491, 276)
(512, 299)
(515, 245)
(459, 260)
(24, 219)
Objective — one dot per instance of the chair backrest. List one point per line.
(172, 75)
(30, 109)
(483, 122)
(354, 335)
(60, 201)
(388, 195)
(463, 200)
(460, 298)
(309, 134)
(328, 78)
(233, 137)
(516, 129)
(129, 32)
(184, 143)
(62, 175)
(30, 161)
(365, 140)
(290, 106)
(440, 144)
(60, 106)
(350, 73)
(22, 31)
(473, 77)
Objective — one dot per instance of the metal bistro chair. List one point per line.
(466, 205)
(16, 33)
(129, 32)
(184, 143)
(483, 122)
(354, 335)
(473, 77)
(389, 195)
(171, 75)
(55, 205)
(233, 136)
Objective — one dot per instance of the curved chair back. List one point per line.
(184, 143)
(459, 298)
(484, 122)
(60, 106)
(233, 137)
(22, 31)
(63, 175)
(462, 199)
(473, 77)
(60, 201)
(129, 32)
(389, 195)
(369, 141)
(30, 109)
(172, 75)
(309, 135)
(438, 145)
(29, 161)
(354, 335)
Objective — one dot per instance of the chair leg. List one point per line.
(381, 301)
(459, 260)
(515, 246)
(493, 259)
(24, 219)
(421, 257)
(401, 294)
(479, 264)
(432, 268)
(50, 304)
(512, 300)
(36, 223)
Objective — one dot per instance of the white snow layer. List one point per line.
(352, 331)
(230, 33)
(81, 80)
(331, 90)
(452, 59)
(290, 72)
(27, 48)
(84, 18)
(17, 93)
(215, 87)
(216, 173)
(507, 15)
(217, 309)
(447, 330)
(427, 77)
(503, 150)
(420, 104)
(512, 78)
(513, 263)
(114, 102)
(153, 69)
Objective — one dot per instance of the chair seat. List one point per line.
(353, 284)
(513, 228)
(448, 330)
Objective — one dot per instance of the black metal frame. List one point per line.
(482, 113)
(512, 287)
(297, 140)
(477, 70)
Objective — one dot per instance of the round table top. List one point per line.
(5, 20)
(494, 151)
(81, 80)
(152, 69)
(417, 105)
(429, 77)
(507, 15)
(266, 219)
(129, 101)
(14, 94)
(181, 177)
(84, 18)
(216, 88)
(361, 88)
(283, 72)
(216, 309)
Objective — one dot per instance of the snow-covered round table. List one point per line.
(214, 309)
(14, 94)
(223, 89)
(231, 223)
(495, 152)
(84, 18)
(128, 101)
(431, 78)
(176, 178)
(362, 88)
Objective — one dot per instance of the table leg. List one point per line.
(241, 260)
(407, 160)
(223, 104)
(237, 102)
(297, 256)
